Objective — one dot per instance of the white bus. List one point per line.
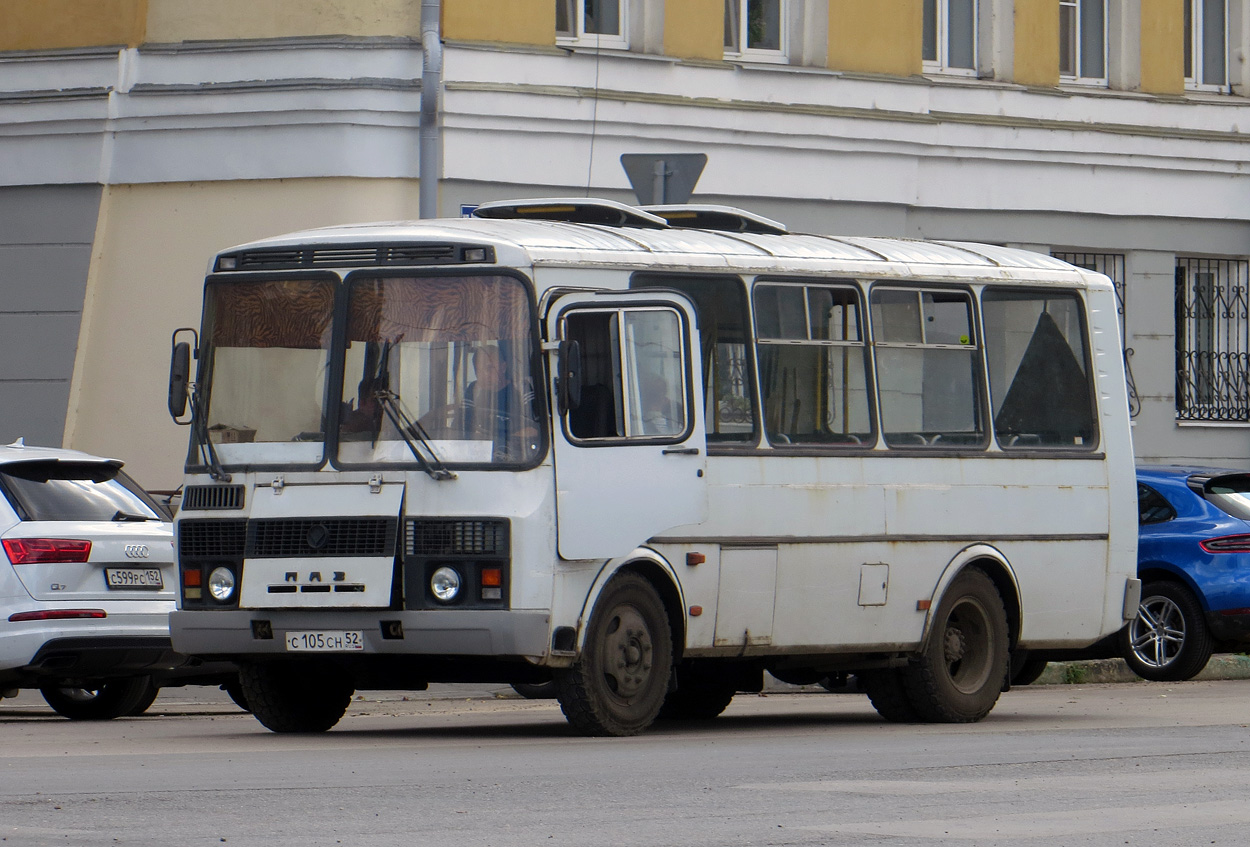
(647, 455)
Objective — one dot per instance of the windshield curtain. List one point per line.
(267, 348)
(454, 354)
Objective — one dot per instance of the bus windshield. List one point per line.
(451, 358)
(267, 345)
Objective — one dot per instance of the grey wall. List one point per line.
(46, 234)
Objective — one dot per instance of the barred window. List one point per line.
(1212, 340)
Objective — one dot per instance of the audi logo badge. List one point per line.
(137, 551)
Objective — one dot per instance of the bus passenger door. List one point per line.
(630, 445)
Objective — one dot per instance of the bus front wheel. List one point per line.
(288, 697)
(618, 684)
(958, 676)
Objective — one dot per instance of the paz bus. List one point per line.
(646, 454)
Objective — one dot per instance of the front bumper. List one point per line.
(232, 634)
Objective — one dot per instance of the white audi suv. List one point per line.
(87, 582)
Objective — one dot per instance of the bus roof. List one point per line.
(646, 245)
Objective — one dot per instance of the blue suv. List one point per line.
(1194, 562)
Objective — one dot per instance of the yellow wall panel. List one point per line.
(876, 36)
(198, 20)
(694, 29)
(1162, 46)
(55, 24)
(1037, 42)
(510, 21)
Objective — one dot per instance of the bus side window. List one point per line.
(812, 364)
(633, 366)
(1039, 380)
(929, 380)
(721, 304)
(596, 415)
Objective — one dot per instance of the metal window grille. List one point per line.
(1212, 340)
(1111, 265)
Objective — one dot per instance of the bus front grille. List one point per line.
(300, 537)
(204, 497)
(457, 537)
(217, 539)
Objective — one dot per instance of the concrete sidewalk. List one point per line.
(1223, 666)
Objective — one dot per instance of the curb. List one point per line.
(1227, 666)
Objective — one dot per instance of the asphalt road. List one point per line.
(1149, 763)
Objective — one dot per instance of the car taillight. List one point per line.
(1227, 544)
(31, 551)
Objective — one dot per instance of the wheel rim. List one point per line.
(1157, 634)
(967, 646)
(626, 655)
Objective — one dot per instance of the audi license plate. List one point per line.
(324, 641)
(133, 578)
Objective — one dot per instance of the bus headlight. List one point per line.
(445, 584)
(221, 584)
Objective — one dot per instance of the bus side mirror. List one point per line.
(179, 379)
(568, 376)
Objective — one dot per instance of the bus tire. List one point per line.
(700, 695)
(959, 675)
(294, 698)
(888, 696)
(618, 683)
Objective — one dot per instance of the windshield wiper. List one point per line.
(119, 515)
(206, 449)
(408, 427)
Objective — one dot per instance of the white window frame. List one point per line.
(1076, 43)
(578, 37)
(1194, 45)
(940, 64)
(739, 9)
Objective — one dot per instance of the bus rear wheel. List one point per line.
(959, 675)
(618, 684)
(288, 697)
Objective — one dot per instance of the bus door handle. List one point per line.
(680, 451)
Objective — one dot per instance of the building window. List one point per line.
(1111, 265)
(756, 29)
(950, 36)
(1083, 40)
(594, 23)
(1212, 340)
(1206, 44)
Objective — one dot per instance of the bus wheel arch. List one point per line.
(995, 566)
(961, 668)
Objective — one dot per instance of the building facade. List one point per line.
(138, 137)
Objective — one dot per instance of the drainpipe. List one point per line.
(430, 164)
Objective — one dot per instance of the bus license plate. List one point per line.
(133, 578)
(324, 641)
